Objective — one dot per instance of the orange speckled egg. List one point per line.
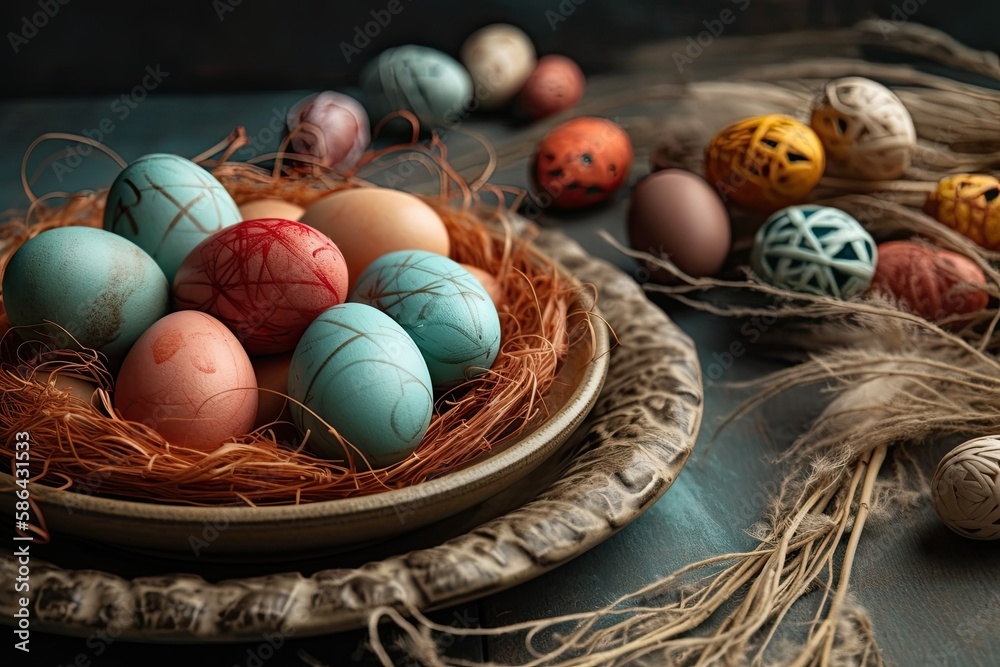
(765, 162)
(969, 204)
(581, 162)
(931, 282)
(188, 378)
(367, 223)
(271, 208)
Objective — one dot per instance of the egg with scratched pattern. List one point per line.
(188, 378)
(102, 290)
(363, 375)
(445, 310)
(426, 82)
(264, 279)
(167, 205)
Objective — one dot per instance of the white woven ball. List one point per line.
(865, 129)
(815, 250)
(966, 489)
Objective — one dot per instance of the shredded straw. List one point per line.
(88, 448)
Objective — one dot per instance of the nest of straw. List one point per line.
(77, 442)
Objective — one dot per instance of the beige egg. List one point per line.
(272, 374)
(489, 282)
(500, 58)
(367, 223)
(271, 208)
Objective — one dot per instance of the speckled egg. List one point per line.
(364, 376)
(556, 84)
(581, 162)
(167, 205)
(815, 250)
(931, 282)
(332, 127)
(969, 204)
(264, 279)
(443, 308)
(500, 58)
(188, 378)
(102, 289)
(765, 162)
(428, 83)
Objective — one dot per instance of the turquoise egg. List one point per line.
(102, 289)
(360, 372)
(431, 84)
(444, 309)
(167, 205)
(815, 250)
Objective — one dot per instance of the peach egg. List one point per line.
(271, 208)
(489, 283)
(188, 378)
(367, 223)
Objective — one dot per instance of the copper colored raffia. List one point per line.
(91, 450)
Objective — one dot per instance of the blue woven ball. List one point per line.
(815, 250)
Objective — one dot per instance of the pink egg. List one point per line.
(188, 378)
(267, 280)
(331, 127)
(556, 84)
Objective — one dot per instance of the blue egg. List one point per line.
(443, 308)
(103, 290)
(815, 250)
(360, 372)
(427, 82)
(167, 205)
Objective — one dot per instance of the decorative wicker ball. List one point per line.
(966, 489)
(815, 250)
(928, 281)
(865, 129)
(765, 162)
(969, 204)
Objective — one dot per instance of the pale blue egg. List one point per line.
(360, 372)
(102, 289)
(815, 250)
(429, 83)
(443, 308)
(167, 205)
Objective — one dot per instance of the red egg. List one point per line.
(555, 85)
(581, 162)
(266, 280)
(930, 282)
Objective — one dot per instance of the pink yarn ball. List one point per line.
(334, 129)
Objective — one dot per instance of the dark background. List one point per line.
(103, 46)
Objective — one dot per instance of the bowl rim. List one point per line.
(361, 508)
